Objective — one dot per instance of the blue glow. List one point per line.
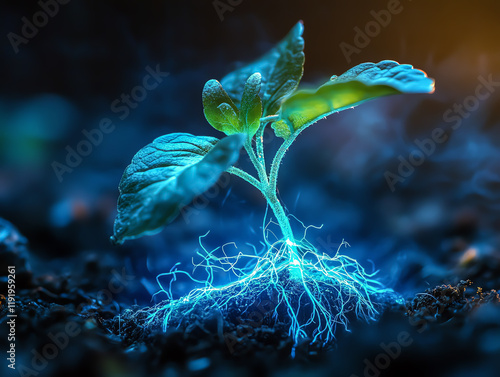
(314, 290)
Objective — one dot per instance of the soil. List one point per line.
(452, 328)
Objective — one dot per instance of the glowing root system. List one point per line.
(310, 291)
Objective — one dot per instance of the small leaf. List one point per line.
(165, 176)
(359, 84)
(223, 118)
(251, 105)
(281, 129)
(281, 70)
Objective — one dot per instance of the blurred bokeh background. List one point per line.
(439, 224)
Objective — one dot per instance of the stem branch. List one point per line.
(270, 118)
(259, 141)
(279, 212)
(244, 175)
(273, 176)
(261, 169)
(268, 184)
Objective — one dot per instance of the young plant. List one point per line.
(169, 173)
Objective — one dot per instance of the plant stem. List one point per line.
(259, 141)
(261, 169)
(270, 195)
(271, 199)
(279, 212)
(270, 118)
(273, 176)
(244, 175)
(268, 185)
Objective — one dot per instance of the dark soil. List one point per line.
(63, 317)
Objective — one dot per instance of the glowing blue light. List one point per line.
(314, 289)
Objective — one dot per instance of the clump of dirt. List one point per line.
(444, 302)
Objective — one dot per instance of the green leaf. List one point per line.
(281, 70)
(219, 109)
(251, 105)
(359, 84)
(281, 129)
(165, 176)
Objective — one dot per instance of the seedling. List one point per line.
(169, 173)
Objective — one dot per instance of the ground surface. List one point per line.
(65, 324)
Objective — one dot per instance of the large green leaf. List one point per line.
(219, 110)
(359, 84)
(281, 70)
(166, 175)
